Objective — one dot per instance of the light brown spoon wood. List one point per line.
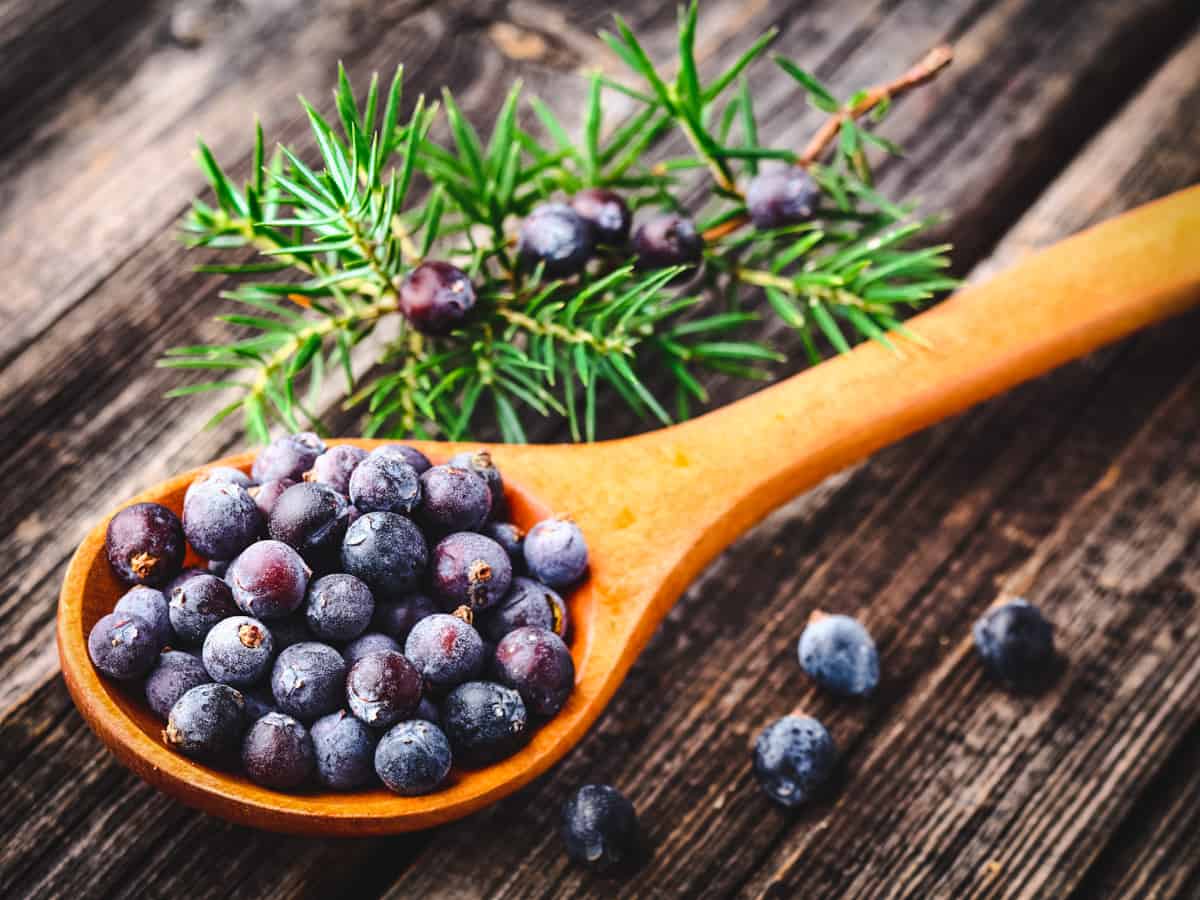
(658, 507)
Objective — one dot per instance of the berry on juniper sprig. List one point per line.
(513, 275)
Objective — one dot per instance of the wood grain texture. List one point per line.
(917, 537)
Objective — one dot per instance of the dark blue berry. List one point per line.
(267, 494)
(668, 240)
(312, 518)
(397, 619)
(345, 751)
(794, 758)
(556, 553)
(290, 630)
(385, 484)
(782, 196)
(436, 297)
(511, 538)
(145, 545)
(428, 711)
(387, 551)
(383, 688)
(556, 236)
(538, 666)
(607, 215)
(288, 456)
(269, 580)
(123, 646)
(839, 654)
(220, 519)
(527, 602)
(238, 651)
(335, 466)
(468, 568)
(207, 724)
(1016, 644)
(413, 758)
(339, 607)
(277, 752)
(197, 604)
(484, 721)
(405, 453)
(309, 680)
(453, 499)
(175, 675)
(480, 462)
(151, 605)
(445, 649)
(600, 828)
(371, 642)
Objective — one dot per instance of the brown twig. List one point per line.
(926, 70)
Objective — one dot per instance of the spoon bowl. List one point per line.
(656, 508)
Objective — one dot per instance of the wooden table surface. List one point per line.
(1080, 491)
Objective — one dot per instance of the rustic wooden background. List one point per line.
(1081, 491)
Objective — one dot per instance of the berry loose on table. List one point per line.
(436, 297)
(144, 544)
(600, 828)
(837, 651)
(794, 759)
(1016, 643)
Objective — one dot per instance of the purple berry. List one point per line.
(288, 456)
(123, 646)
(413, 758)
(453, 499)
(335, 466)
(339, 607)
(468, 568)
(144, 544)
(385, 484)
(220, 519)
(435, 297)
(207, 723)
(269, 580)
(537, 664)
(383, 688)
(397, 619)
(511, 538)
(371, 642)
(556, 236)
(277, 752)
(527, 602)
(175, 675)
(405, 453)
(197, 604)
(556, 552)
(793, 759)
(607, 215)
(387, 551)
(600, 828)
(445, 649)
(669, 240)
(311, 518)
(238, 651)
(480, 462)
(783, 196)
(345, 751)
(267, 494)
(181, 578)
(309, 680)
(290, 630)
(484, 721)
(151, 605)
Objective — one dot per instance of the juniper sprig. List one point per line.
(335, 241)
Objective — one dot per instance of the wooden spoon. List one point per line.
(658, 507)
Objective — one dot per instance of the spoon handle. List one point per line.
(717, 475)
